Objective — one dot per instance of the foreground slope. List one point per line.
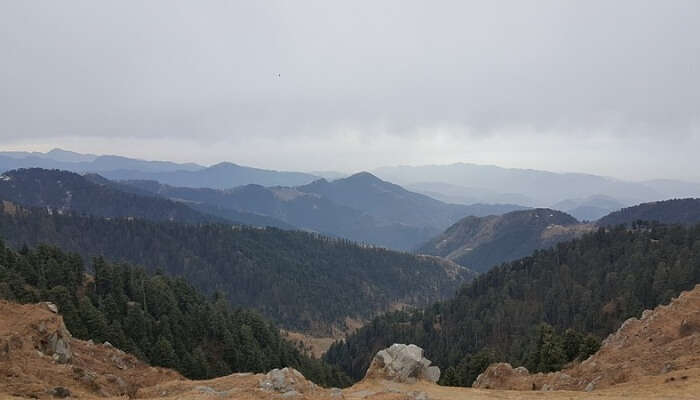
(482, 243)
(97, 371)
(664, 341)
(32, 365)
(160, 319)
(302, 281)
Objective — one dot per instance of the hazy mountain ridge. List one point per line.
(391, 202)
(543, 187)
(223, 175)
(484, 242)
(590, 208)
(307, 211)
(360, 207)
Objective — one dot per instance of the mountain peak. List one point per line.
(224, 164)
(363, 176)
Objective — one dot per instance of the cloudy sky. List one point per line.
(593, 86)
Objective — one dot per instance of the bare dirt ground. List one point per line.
(665, 367)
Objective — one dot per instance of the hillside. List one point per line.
(676, 211)
(300, 280)
(64, 191)
(482, 243)
(589, 285)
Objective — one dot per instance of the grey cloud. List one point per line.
(208, 69)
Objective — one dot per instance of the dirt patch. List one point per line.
(314, 345)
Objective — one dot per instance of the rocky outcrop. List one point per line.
(40, 359)
(53, 338)
(497, 375)
(402, 363)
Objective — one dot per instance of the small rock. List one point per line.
(51, 307)
(590, 387)
(291, 393)
(60, 392)
(107, 344)
(420, 396)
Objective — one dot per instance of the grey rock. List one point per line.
(59, 347)
(285, 380)
(403, 363)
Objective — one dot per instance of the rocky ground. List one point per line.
(657, 356)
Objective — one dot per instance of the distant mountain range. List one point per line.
(590, 208)
(482, 243)
(222, 175)
(473, 183)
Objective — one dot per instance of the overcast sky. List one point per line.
(607, 87)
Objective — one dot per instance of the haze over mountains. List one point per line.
(582, 195)
(487, 183)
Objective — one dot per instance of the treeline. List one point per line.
(297, 279)
(160, 319)
(582, 290)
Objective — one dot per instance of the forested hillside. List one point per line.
(162, 320)
(676, 211)
(483, 242)
(589, 285)
(300, 280)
